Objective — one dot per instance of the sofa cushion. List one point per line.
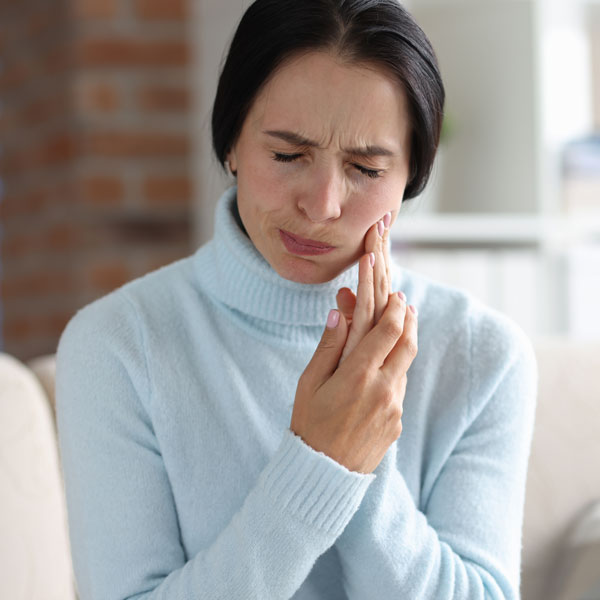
(564, 473)
(34, 548)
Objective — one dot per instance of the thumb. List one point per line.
(346, 301)
(327, 355)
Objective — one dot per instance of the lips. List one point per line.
(306, 242)
(299, 245)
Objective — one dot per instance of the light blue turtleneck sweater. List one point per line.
(184, 482)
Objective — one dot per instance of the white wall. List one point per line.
(486, 55)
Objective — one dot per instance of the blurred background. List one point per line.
(106, 173)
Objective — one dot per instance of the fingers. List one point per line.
(387, 219)
(362, 317)
(346, 302)
(374, 286)
(376, 241)
(405, 351)
(375, 347)
(327, 355)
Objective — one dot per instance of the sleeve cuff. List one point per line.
(313, 486)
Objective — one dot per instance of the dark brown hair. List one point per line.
(379, 32)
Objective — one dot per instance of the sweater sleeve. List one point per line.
(123, 521)
(465, 542)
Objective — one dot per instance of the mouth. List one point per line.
(302, 246)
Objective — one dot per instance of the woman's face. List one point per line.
(323, 155)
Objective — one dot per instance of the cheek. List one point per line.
(258, 189)
(268, 185)
(366, 210)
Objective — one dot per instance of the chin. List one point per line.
(306, 271)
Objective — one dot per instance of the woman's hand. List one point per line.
(353, 411)
(374, 285)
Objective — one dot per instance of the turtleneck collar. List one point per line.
(233, 271)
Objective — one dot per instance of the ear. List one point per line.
(232, 160)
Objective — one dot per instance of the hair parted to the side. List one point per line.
(378, 32)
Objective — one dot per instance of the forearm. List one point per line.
(298, 507)
(390, 550)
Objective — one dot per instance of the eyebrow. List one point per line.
(298, 140)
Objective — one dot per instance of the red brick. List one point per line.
(62, 237)
(13, 76)
(7, 120)
(101, 190)
(161, 9)
(9, 205)
(58, 321)
(63, 193)
(17, 246)
(29, 203)
(94, 9)
(17, 328)
(168, 190)
(40, 22)
(128, 52)
(138, 144)
(43, 109)
(165, 258)
(40, 283)
(57, 61)
(97, 97)
(161, 98)
(10, 161)
(56, 149)
(110, 275)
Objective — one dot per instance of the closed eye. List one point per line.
(368, 172)
(286, 158)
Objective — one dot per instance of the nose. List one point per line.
(322, 199)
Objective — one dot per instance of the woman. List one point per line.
(225, 431)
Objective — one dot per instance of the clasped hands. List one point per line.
(349, 399)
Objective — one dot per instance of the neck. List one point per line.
(232, 270)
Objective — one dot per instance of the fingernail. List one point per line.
(380, 227)
(372, 258)
(387, 219)
(414, 310)
(333, 319)
(402, 295)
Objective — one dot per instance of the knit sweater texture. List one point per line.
(184, 481)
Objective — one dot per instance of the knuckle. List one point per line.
(399, 410)
(412, 347)
(304, 381)
(325, 345)
(385, 399)
(361, 379)
(382, 286)
(392, 329)
(395, 408)
(306, 378)
(398, 428)
(367, 305)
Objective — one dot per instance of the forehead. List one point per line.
(320, 94)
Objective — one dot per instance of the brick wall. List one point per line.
(95, 163)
